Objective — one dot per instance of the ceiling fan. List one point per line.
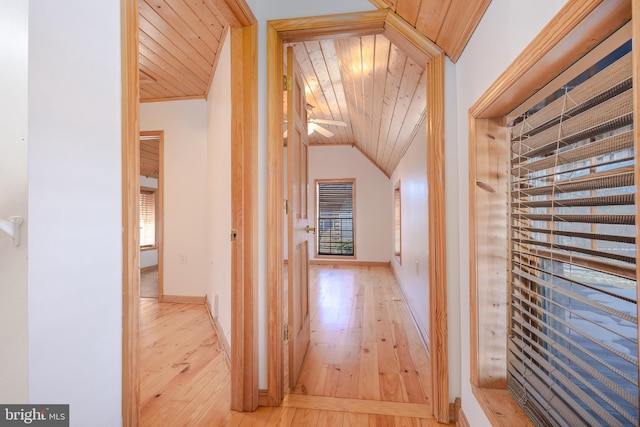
(313, 125)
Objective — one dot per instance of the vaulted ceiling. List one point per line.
(370, 85)
(368, 82)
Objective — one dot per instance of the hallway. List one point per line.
(184, 380)
(364, 344)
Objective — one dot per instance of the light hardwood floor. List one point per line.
(364, 344)
(184, 380)
(149, 283)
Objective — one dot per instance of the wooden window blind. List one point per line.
(147, 218)
(573, 348)
(335, 218)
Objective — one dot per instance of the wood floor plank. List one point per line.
(259, 418)
(407, 422)
(382, 421)
(282, 417)
(357, 406)
(312, 365)
(355, 420)
(330, 418)
(306, 417)
(373, 349)
(350, 368)
(369, 378)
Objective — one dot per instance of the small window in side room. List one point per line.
(147, 218)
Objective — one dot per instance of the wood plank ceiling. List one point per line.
(372, 86)
(149, 157)
(366, 82)
(178, 47)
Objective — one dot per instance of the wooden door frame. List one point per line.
(244, 137)
(160, 208)
(425, 53)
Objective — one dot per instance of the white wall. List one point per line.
(500, 37)
(186, 219)
(413, 271)
(373, 212)
(148, 257)
(13, 200)
(75, 267)
(219, 177)
(264, 11)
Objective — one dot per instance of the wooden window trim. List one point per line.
(576, 29)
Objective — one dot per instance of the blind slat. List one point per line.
(572, 388)
(612, 200)
(606, 145)
(560, 247)
(569, 294)
(577, 234)
(620, 392)
(623, 178)
(612, 76)
(624, 271)
(609, 115)
(595, 218)
(579, 347)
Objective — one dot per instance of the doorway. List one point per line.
(244, 364)
(151, 214)
(377, 22)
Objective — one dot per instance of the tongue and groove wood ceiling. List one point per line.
(366, 82)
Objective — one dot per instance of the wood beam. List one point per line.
(438, 332)
(244, 184)
(275, 219)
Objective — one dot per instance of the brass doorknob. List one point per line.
(310, 229)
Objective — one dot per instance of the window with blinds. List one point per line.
(573, 343)
(147, 218)
(335, 218)
(397, 222)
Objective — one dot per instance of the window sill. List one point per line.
(148, 248)
(500, 408)
(335, 257)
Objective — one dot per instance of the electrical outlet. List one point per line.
(182, 257)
